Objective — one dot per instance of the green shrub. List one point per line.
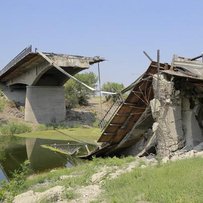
(9, 189)
(112, 87)
(14, 128)
(51, 126)
(75, 93)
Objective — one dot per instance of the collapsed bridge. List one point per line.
(163, 112)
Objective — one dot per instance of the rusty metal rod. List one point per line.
(145, 53)
(197, 57)
(158, 72)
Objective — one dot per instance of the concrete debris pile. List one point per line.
(173, 116)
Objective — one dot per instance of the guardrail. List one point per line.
(21, 55)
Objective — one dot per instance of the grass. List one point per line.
(12, 128)
(89, 135)
(179, 182)
(81, 174)
(3, 101)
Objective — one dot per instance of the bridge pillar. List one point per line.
(45, 104)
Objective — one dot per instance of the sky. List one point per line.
(117, 30)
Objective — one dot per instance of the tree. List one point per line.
(112, 87)
(75, 93)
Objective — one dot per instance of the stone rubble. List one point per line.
(53, 195)
(91, 192)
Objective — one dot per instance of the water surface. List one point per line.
(43, 154)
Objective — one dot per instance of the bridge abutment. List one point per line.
(45, 104)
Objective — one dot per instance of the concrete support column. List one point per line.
(45, 104)
(166, 110)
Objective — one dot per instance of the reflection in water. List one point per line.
(12, 154)
(42, 158)
(42, 153)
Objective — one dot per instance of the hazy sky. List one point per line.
(115, 29)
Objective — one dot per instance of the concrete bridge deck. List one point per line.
(29, 62)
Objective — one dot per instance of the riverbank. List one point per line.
(117, 180)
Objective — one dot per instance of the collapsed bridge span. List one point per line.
(161, 114)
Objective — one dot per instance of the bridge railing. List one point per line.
(21, 55)
(110, 113)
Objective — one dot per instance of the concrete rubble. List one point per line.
(177, 112)
(51, 195)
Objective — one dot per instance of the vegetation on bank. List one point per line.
(12, 128)
(80, 175)
(179, 181)
(75, 93)
(9, 189)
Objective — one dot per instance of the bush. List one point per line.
(112, 87)
(9, 189)
(75, 93)
(14, 128)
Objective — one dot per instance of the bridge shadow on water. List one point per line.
(43, 154)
